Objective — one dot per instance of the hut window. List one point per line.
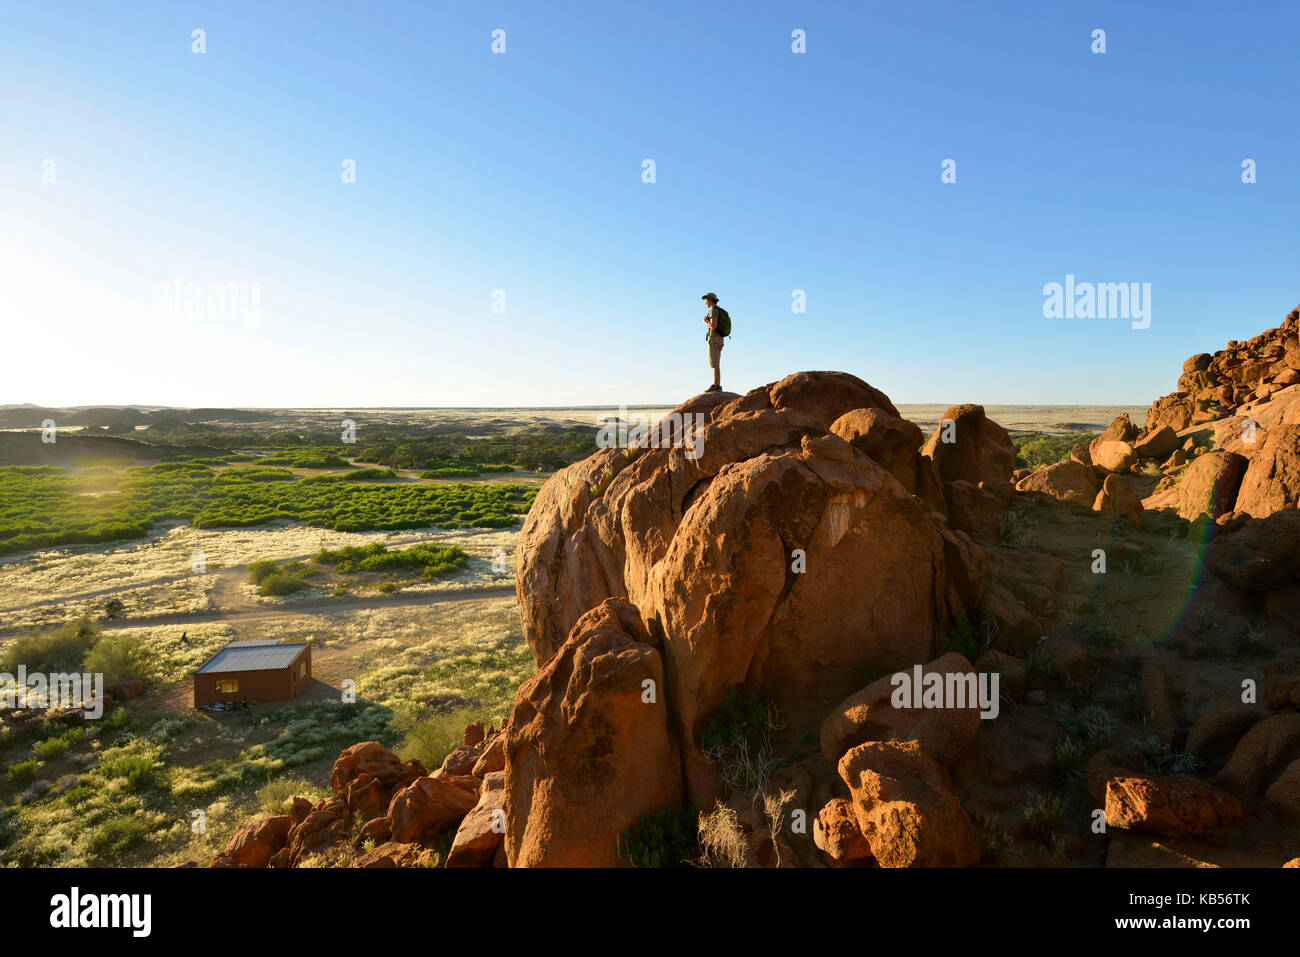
(228, 686)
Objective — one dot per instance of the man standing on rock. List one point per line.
(719, 324)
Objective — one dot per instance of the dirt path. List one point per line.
(301, 609)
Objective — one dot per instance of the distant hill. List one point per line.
(26, 448)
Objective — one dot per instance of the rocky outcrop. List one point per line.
(733, 551)
(398, 830)
(323, 827)
(1271, 482)
(974, 459)
(589, 749)
(1214, 386)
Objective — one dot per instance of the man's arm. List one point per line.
(711, 319)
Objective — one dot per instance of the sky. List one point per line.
(176, 228)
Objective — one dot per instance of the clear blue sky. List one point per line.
(522, 172)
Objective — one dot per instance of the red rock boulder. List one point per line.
(1172, 805)
(907, 808)
(588, 747)
(426, 807)
(254, 844)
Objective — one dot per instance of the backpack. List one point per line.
(723, 323)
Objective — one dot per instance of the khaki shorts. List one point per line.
(715, 350)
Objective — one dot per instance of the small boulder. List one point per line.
(493, 757)
(1282, 799)
(907, 808)
(1271, 483)
(1111, 454)
(836, 831)
(483, 828)
(1282, 684)
(1177, 805)
(461, 761)
(871, 715)
(1065, 481)
(1214, 734)
(391, 854)
(1118, 498)
(1262, 753)
(473, 734)
(1068, 659)
(254, 844)
(1013, 674)
(425, 807)
(1156, 445)
(1256, 554)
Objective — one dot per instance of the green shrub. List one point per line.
(117, 835)
(1160, 758)
(1094, 724)
(117, 657)
(1069, 754)
(453, 472)
(60, 649)
(1081, 692)
(1036, 449)
(432, 739)
(597, 488)
(137, 770)
(260, 569)
(666, 839)
(969, 640)
(257, 475)
(434, 560)
(50, 748)
(22, 772)
(278, 583)
(275, 796)
(737, 737)
(994, 840)
(1043, 814)
(745, 717)
(1039, 665)
(370, 475)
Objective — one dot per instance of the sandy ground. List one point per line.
(182, 572)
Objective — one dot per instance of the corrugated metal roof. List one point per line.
(253, 656)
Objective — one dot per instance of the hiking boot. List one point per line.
(714, 388)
